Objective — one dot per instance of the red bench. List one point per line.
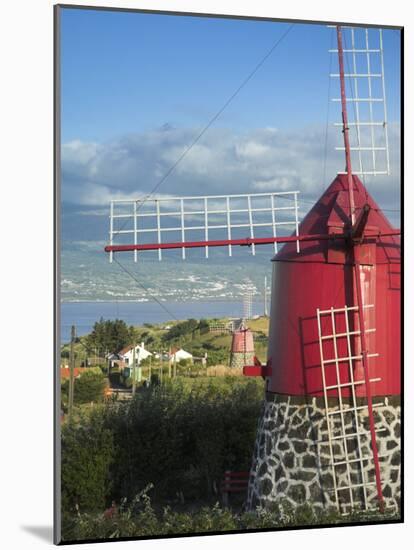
(233, 482)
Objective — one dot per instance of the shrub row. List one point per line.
(178, 437)
(141, 520)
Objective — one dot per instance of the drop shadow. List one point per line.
(42, 532)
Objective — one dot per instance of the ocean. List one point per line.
(84, 314)
(92, 288)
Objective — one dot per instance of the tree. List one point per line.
(203, 326)
(90, 386)
(107, 335)
(183, 329)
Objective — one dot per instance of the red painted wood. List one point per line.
(236, 242)
(231, 474)
(257, 370)
(310, 280)
(325, 216)
(234, 482)
(345, 129)
(242, 341)
(359, 281)
(248, 241)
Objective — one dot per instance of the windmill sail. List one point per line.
(202, 222)
(343, 383)
(354, 126)
(366, 98)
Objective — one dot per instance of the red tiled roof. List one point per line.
(65, 373)
(123, 351)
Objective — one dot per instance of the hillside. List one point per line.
(194, 336)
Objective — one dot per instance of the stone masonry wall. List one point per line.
(239, 360)
(290, 462)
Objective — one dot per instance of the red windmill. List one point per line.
(242, 347)
(333, 369)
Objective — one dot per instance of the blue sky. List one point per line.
(136, 89)
(128, 72)
(133, 72)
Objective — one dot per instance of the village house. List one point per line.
(126, 355)
(113, 359)
(177, 354)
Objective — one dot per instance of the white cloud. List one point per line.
(252, 150)
(222, 162)
(282, 183)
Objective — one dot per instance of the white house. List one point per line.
(176, 355)
(127, 354)
(113, 358)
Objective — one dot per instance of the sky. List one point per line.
(137, 88)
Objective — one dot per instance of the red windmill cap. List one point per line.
(242, 341)
(331, 215)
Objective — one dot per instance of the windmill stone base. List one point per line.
(289, 463)
(239, 360)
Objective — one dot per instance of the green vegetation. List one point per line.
(180, 437)
(139, 519)
(109, 336)
(184, 329)
(161, 455)
(89, 387)
(192, 335)
(87, 453)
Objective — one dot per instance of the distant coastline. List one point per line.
(83, 314)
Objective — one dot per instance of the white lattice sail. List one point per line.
(202, 222)
(366, 99)
(339, 337)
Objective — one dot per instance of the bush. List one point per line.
(217, 357)
(155, 379)
(128, 382)
(178, 436)
(139, 519)
(102, 369)
(146, 362)
(87, 453)
(90, 386)
(182, 440)
(64, 392)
